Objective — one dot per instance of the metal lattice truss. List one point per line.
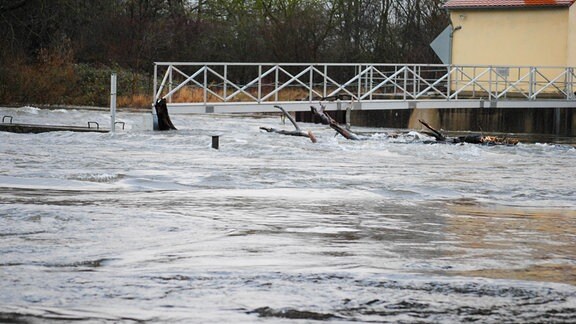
(253, 87)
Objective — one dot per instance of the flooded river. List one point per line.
(143, 226)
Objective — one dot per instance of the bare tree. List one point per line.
(134, 33)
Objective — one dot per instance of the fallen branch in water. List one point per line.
(472, 139)
(435, 133)
(325, 119)
(297, 132)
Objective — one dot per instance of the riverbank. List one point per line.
(57, 81)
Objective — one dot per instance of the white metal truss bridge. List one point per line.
(258, 87)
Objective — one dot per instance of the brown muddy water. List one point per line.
(142, 226)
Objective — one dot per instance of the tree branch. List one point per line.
(6, 7)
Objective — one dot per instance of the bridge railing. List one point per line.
(267, 83)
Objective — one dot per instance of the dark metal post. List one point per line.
(216, 142)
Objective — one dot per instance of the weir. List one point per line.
(514, 99)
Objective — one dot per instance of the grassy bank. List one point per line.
(54, 80)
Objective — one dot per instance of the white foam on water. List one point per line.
(159, 227)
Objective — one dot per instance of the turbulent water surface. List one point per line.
(158, 227)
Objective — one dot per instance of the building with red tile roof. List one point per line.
(499, 4)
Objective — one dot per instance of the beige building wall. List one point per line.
(520, 37)
(572, 37)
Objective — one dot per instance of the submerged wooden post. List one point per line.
(216, 142)
(164, 122)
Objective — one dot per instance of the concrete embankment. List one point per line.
(560, 121)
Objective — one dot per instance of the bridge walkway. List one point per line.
(199, 87)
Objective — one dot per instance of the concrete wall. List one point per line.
(532, 121)
(518, 37)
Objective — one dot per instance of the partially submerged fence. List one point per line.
(257, 87)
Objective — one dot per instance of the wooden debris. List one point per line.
(297, 132)
(325, 119)
(164, 122)
(472, 139)
(493, 140)
(439, 137)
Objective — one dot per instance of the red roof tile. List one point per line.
(457, 4)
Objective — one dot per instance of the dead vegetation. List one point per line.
(325, 119)
(472, 139)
